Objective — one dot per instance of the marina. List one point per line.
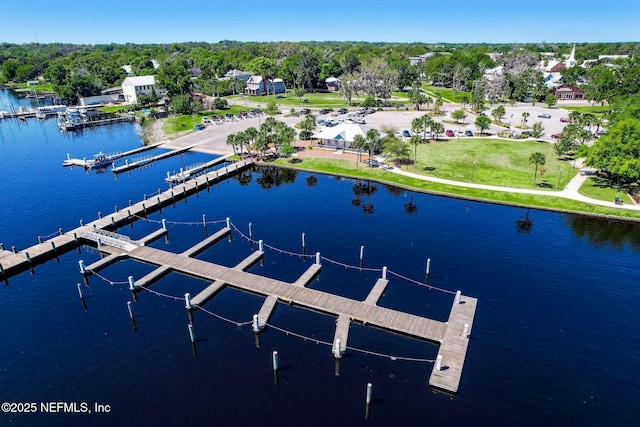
(104, 160)
(550, 341)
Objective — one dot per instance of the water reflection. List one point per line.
(601, 232)
(274, 176)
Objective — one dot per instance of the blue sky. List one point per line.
(160, 21)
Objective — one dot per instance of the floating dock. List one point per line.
(110, 157)
(452, 335)
(137, 163)
(15, 261)
(190, 171)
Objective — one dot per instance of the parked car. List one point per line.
(321, 122)
(544, 116)
(305, 111)
(555, 136)
(527, 133)
(564, 119)
(370, 110)
(406, 133)
(468, 133)
(342, 111)
(361, 111)
(205, 120)
(359, 121)
(449, 133)
(323, 111)
(305, 101)
(459, 133)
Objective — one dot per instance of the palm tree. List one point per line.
(536, 159)
(359, 142)
(415, 140)
(241, 140)
(524, 117)
(372, 139)
(232, 140)
(251, 134)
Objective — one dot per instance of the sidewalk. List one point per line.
(569, 192)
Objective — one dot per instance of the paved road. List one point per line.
(212, 140)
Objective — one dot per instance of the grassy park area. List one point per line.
(497, 162)
(348, 168)
(447, 94)
(598, 188)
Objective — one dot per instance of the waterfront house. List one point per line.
(238, 75)
(133, 87)
(341, 136)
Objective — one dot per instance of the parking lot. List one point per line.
(213, 138)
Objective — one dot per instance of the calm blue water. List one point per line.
(554, 340)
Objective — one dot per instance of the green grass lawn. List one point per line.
(598, 188)
(348, 168)
(182, 123)
(114, 108)
(46, 87)
(588, 109)
(498, 162)
(446, 93)
(315, 100)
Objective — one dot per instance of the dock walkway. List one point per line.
(450, 335)
(136, 164)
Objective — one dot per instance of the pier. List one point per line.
(109, 157)
(137, 163)
(452, 336)
(192, 170)
(18, 261)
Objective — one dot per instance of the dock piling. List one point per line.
(26, 254)
(40, 239)
(83, 269)
(187, 301)
(438, 364)
(456, 300)
(115, 208)
(60, 231)
(384, 273)
(260, 245)
(128, 308)
(250, 232)
(304, 245)
(336, 349)
(274, 357)
(80, 291)
(318, 258)
(99, 215)
(426, 280)
(204, 220)
(13, 248)
(53, 246)
(256, 326)
(132, 285)
(465, 331)
(369, 392)
(192, 334)
(164, 224)
(81, 223)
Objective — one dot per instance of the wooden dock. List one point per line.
(112, 157)
(191, 171)
(453, 335)
(12, 263)
(138, 163)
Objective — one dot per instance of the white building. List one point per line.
(133, 87)
(340, 137)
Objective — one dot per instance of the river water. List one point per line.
(554, 339)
